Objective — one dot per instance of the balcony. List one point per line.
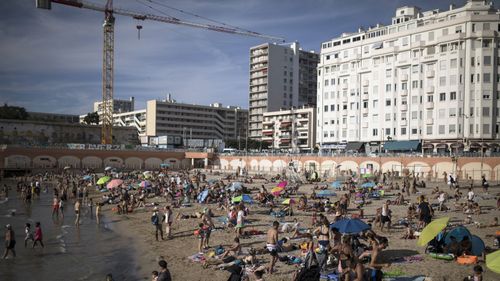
(344, 86)
(429, 105)
(303, 137)
(404, 107)
(429, 121)
(430, 74)
(404, 77)
(366, 83)
(403, 123)
(419, 44)
(364, 110)
(429, 89)
(365, 124)
(404, 92)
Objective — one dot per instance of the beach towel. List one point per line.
(197, 258)
(409, 259)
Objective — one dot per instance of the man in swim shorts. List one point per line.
(272, 245)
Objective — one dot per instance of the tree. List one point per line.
(252, 144)
(13, 112)
(91, 118)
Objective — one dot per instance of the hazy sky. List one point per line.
(52, 60)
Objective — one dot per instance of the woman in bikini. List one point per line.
(323, 233)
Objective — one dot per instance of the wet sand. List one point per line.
(88, 252)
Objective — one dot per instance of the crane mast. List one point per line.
(107, 75)
(108, 48)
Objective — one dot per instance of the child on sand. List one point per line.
(38, 235)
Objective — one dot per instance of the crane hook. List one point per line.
(139, 27)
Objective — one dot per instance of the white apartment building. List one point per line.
(190, 121)
(293, 130)
(428, 76)
(119, 106)
(135, 119)
(281, 76)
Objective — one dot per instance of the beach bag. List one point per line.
(467, 259)
(219, 250)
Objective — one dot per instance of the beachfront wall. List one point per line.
(425, 167)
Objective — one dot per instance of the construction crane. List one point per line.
(108, 47)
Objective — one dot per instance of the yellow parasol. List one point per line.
(432, 230)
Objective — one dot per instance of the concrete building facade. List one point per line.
(429, 76)
(281, 76)
(291, 130)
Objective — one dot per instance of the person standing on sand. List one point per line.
(77, 212)
(240, 221)
(272, 245)
(10, 242)
(29, 235)
(38, 235)
(169, 218)
(156, 221)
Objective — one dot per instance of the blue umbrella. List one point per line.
(87, 177)
(202, 196)
(368, 184)
(336, 184)
(350, 226)
(326, 193)
(245, 198)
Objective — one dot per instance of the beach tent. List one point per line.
(350, 226)
(235, 186)
(459, 233)
(477, 246)
(202, 196)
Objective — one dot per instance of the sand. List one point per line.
(184, 244)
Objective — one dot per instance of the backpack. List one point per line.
(154, 219)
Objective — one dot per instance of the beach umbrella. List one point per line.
(146, 173)
(432, 230)
(235, 186)
(114, 183)
(67, 168)
(202, 196)
(350, 226)
(493, 261)
(282, 184)
(368, 184)
(103, 180)
(336, 184)
(108, 168)
(245, 198)
(276, 191)
(325, 193)
(87, 177)
(145, 184)
(288, 201)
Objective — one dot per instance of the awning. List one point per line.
(457, 145)
(354, 146)
(412, 145)
(428, 145)
(377, 45)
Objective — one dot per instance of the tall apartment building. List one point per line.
(428, 76)
(170, 118)
(136, 118)
(293, 129)
(281, 76)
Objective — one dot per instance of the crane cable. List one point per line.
(198, 16)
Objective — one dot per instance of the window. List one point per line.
(332, 107)
(441, 129)
(387, 117)
(429, 130)
(326, 108)
(486, 77)
(414, 84)
(443, 48)
(404, 86)
(387, 87)
(414, 131)
(442, 65)
(486, 128)
(452, 129)
(326, 82)
(442, 96)
(453, 112)
(453, 95)
(388, 102)
(375, 103)
(486, 111)
(430, 98)
(388, 73)
(375, 132)
(453, 80)
(486, 26)
(441, 113)
(414, 115)
(453, 63)
(431, 36)
(387, 131)
(403, 131)
(487, 60)
(442, 81)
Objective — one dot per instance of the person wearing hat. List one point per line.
(10, 241)
(164, 274)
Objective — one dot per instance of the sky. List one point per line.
(51, 60)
